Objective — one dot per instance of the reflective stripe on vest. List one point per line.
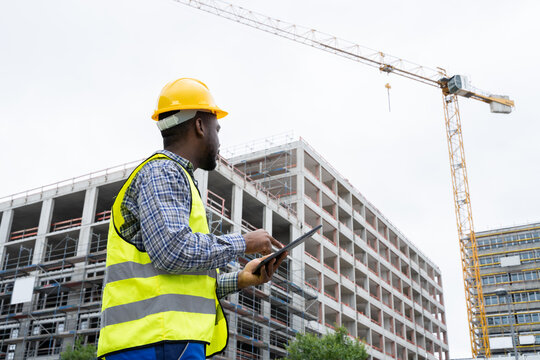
(143, 305)
(130, 269)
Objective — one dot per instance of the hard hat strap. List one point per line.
(176, 119)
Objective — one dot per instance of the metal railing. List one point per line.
(57, 185)
(102, 216)
(66, 224)
(22, 234)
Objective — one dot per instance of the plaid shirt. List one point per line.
(156, 209)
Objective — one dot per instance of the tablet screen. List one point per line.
(288, 247)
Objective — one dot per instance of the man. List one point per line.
(162, 287)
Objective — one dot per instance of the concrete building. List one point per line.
(510, 271)
(359, 271)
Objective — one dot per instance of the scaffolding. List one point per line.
(66, 295)
(272, 165)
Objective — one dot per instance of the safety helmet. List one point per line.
(187, 94)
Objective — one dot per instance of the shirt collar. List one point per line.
(184, 162)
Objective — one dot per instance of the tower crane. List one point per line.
(452, 88)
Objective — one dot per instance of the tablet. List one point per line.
(288, 247)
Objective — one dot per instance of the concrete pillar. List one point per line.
(43, 228)
(88, 217)
(5, 230)
(201, 176)
(45, 217)
(297, 276)
(236, 208)
(20, 349)
(266, 311)
(266, 339)
(5, 226)
(300, 184)
(232, 322)
(267, 219)
(348, 198)
(297, 253)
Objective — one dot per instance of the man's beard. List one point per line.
(210, 162)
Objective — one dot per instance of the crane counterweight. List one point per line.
(498, 108)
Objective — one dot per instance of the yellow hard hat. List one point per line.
(186, 94)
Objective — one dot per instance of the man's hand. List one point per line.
(247, 278)
(260, 241)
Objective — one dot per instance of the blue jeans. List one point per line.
(163, 351)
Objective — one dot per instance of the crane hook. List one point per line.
(388, 87)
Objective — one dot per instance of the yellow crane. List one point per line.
(451, 86)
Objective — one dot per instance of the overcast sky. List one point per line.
(80, 79)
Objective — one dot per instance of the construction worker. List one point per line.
(162, 284)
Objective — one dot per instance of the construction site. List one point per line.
(359, 271)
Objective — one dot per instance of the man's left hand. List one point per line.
(247, 278)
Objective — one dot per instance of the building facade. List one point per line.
(359, 271)
(510, 272)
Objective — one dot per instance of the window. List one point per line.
(495, 279)
(498, 320)
(530, 275)
(517, 277)
(523, 318)
(500, 241)
(484, 260)
(490, 300)
(527, 256)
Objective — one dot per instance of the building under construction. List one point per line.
(510, 274)
(358, 271)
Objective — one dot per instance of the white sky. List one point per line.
(80, 79)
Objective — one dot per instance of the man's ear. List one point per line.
(199, 127)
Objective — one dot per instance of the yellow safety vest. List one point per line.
(143, 306)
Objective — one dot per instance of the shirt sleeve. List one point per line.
(227, 284)
(164, 201)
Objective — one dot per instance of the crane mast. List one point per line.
(474, 298)
(451, 87)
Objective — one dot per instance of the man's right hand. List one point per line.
(260, 241)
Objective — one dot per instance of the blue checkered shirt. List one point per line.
(156, 209)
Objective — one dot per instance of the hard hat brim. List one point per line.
(215, 110)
